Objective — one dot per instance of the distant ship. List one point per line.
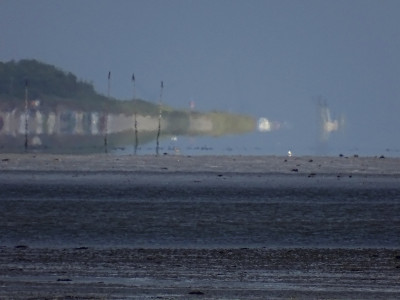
(327, 125)
(265, 125)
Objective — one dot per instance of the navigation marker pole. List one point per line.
(26, 115)
(134, 86)
(159, 119)
(135, 116)
(136, 135)
(105, 114)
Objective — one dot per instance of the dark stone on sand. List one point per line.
(196, 293)
(64, 279)
(21, 247)
(295, 170)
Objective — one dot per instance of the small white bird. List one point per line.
(289, 153)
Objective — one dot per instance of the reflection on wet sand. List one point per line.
(80, 131)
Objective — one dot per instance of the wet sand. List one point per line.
(309, 165)
(86, 273)
(108, 272)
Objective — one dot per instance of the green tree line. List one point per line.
(56, 88)
(43, 79)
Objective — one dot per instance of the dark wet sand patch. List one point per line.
(89, 273)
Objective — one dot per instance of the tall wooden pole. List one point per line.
(26, 115)
(106, 115)
(134, 86)
(135, 116)
(136, 135)
(159, 119)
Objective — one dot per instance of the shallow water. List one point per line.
(199, 214)
(254, 143)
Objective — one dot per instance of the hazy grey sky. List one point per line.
(263, 58)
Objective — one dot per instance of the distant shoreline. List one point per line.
(305, 165)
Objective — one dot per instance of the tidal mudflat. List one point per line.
(215, 227)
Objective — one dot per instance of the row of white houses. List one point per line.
(69, 122)
(12, 123)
